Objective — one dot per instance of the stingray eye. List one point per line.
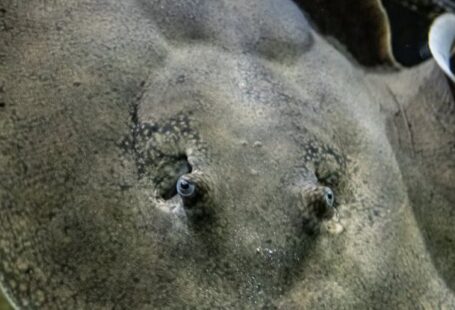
(329, 197)
(193, 190)
(185, 188)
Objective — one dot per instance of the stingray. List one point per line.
(222, 154)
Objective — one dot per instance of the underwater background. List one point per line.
(3, 303)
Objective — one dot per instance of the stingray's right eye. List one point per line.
(329, 197)
(185, 188)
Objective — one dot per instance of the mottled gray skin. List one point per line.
(107, 103)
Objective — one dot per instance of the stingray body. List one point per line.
(216, 154)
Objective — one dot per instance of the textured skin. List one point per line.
(106, 103)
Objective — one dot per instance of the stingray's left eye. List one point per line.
(193, 190)
(185, 188)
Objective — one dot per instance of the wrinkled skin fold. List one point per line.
(106, 105)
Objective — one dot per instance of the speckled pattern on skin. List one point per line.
(108, 104)
(160, 150)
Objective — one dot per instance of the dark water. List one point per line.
(410, 32)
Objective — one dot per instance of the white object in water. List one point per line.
(441, 40)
